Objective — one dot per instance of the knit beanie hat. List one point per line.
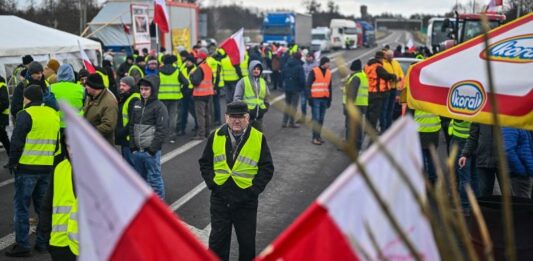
(53, 64)
(95, 81)
(356, 65)
(83, 73)
(33, 93)
(324, 60)
(130, 81)
(27, 59)
(34, 67)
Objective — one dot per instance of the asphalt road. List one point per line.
(303, 170)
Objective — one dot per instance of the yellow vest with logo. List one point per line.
(64, 210)
(41, 141)
(459, 129)
(251, 98)
(246, 164)
(169, 87)
(228, 71)
(427, 122)
(362, 92)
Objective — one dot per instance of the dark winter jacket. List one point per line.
(149, 121)
(17, 101)
(4, 104)
(519, 151)
(23, 126)
(229, 191)
(121, 131)
(102, 113)
(481, 143)
(293, 76)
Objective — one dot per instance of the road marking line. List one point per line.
(6, 182)
(188, 196)
(182, 149)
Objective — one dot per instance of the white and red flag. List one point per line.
(119, 216)
(234, 47)
(85, 59)
(492, 7)
(161, 15)
(334, 227)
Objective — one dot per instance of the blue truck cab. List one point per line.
(287, 27)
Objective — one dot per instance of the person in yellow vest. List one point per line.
(129, 94)
(60, 213)
(161, 55)
(244, 64)
(34, 142)
(356, 92)
(216, 67)
(170, 93)
(137, 70)
(203, 89)
(428, 130)
(319, 94)
(236, 166)
(4, 117)
(392, 67)
(253, 91)
(187, 103)
(230, 74)
(72, 93)
(459, 131)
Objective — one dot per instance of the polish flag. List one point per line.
(492, 7)
(336, 226)
(234, 47)
(85, 59)
(161, 15)
(119, 216)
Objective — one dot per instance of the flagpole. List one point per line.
(157, 41)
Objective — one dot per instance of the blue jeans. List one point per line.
(318, 109)
(303, 104)
(172, 109)
(29, 188)
(149, 167)
(186, 106)
(216, 105)
(127, 155)
(385, 118)
(465, 175)
(429, 168)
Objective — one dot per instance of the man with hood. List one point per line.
(129, 95)
(253, 91)
(170, 93)
(148, 130)
(101, 109)
(294, 82)
(34, 76)
(65, 89)
(230, 74)
(203, 90)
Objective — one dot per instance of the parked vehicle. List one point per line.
(343, 34)
(321, 39)
(369, 34)
(287, 27)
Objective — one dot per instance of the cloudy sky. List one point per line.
(349, 7)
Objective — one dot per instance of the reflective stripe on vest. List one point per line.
(3, 85)
(228, 70)
(427, 122)
(64, 209)
(105, 78)
(362, 92)
(41, 141)
(169, 87)
(320, 87)
(70, 92)
(253, 98)
(244, 65)
(375, 84)
(459, 129)
(205, 88)
(137, 68)
(246, 164)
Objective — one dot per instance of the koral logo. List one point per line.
(517, 49)
(466, 98)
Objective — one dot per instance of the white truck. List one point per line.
(321, 39)
(343, 34)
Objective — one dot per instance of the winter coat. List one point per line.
(481, 143)
(4, 104)
(293, 76)
(18, 95)
(102, 113)
(149, 121)
(519, 151)
(229, 191)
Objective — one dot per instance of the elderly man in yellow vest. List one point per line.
(393, 67)
(236, 166)
(33, 145)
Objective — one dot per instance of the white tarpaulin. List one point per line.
(21, 37)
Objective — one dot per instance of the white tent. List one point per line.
(21, 37)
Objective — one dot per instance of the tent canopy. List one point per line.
(21, 37)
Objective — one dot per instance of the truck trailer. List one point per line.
(287, 27)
